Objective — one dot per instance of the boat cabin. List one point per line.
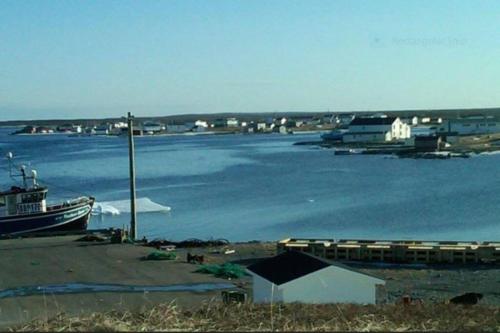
(19, 201)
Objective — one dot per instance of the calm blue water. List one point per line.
(262, 187)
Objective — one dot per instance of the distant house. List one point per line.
(69, 128)
(357, 137)
(473, 125)
(299, 123)
(281, 121)
(376, 129)
(232, 122)
(102, 129)
(431, 120)
(201, 123)
(44, 130)
(427, 143)
(295, 276)
(177, 128)
(400, 130)
(261, 127)
(283, 129)
(269, 121)
(65, 128)
(120, 124)
(421, 130)
(198, 129)
(343, 119)
(219, 122)
(151, 127)
(328, 119)
(27, 130)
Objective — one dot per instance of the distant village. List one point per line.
(281, 125)
(426, 133)
(380, 133)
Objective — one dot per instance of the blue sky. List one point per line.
(67, 59)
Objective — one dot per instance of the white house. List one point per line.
(261, 127)
(120, 124)
(295, 276)
(201, 123)
(376, 129)
(400, 130)
(232, 122)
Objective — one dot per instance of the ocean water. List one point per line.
(262, 187)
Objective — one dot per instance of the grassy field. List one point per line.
(214, 316)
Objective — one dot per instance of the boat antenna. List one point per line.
(22, 169)
(23, 174)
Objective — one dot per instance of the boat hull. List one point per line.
(72, 218)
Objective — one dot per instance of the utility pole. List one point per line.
(131, 155)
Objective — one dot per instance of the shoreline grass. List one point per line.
(215, 316)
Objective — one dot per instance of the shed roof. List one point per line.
(291, 265)
(373, 121)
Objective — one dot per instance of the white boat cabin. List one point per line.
(19, 201)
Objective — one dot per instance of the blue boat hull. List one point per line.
(73, 218)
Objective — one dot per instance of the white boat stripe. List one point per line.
(41, 215)
(50, 226)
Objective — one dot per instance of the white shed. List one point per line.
(295, 276)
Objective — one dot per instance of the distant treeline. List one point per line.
(182, 118)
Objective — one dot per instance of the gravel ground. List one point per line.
(32, 262)
(429, 283)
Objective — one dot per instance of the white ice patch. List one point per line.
(143, 205)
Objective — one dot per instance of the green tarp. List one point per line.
(161, 255)
(227, 270)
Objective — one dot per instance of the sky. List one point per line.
(96, 59)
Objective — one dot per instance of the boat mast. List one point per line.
(133, 215)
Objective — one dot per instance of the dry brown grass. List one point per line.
(292, 317)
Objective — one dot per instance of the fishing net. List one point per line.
(161, 255)
(226, 270)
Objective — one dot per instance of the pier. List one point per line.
(397, 251)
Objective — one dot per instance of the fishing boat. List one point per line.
(24, 209)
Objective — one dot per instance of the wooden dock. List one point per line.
(400, 251)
